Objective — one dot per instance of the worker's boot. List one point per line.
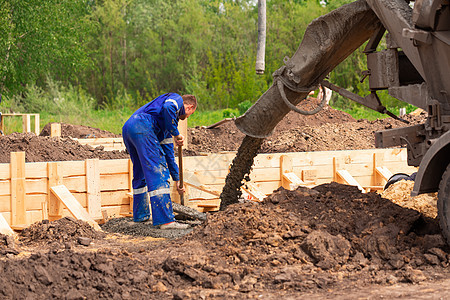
(174, 225)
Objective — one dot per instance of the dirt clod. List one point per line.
(62, 231)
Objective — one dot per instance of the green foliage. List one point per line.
(206, 118)
(244, 106)
(229, 113)
(55, 99)
(39, 38)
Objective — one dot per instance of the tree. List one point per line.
(41, 38)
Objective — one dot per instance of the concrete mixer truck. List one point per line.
(414, 67)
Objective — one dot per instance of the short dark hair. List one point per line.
(190, 99)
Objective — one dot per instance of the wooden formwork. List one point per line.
(104, 186)
(26, 122)
(369, 169)
(108, 144)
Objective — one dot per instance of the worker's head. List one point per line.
(190, 105)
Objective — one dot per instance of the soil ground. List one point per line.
(329, 242)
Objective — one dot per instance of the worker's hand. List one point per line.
(179, 140)
(181, 190)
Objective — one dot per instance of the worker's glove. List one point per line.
(181, 190)
(179, 140)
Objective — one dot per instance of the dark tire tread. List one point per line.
(443, 204)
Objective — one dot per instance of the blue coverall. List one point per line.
(147, 135)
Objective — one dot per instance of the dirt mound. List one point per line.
(42, 148)
(62, 231)
(78, 131)
(328, 130)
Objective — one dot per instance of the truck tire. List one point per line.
(443, 204)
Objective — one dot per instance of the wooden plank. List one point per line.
(100, 141)
(4, 227)
(383, 172)
(36, 186)
(55, 129)
(114, 182)
(73, 168)
(347, 178)
(36, 170)
(203, 205)
(325, 157)
(5, 172)
(309, 175)
(54, 179)
(116, 211)
(5, 188)
(253, 191)
(114, 166)
(115, 198)
(291, 181)
(93, 188)
(75, 184)
(203, 189)
(64, 195)
(211, 162)
(31, 217)
(18, 210)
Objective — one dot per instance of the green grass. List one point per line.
(112, 120)
(205, 118)
(361, 112)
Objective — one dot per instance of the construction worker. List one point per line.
(147, 135)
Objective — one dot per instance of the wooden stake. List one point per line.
(54, 173)
(289, 180)
(94, 204)
(44, 210)
(26, 123)
(18, 208)
(37, 126)
(55, 129)
(183, 129)
(2, 124)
